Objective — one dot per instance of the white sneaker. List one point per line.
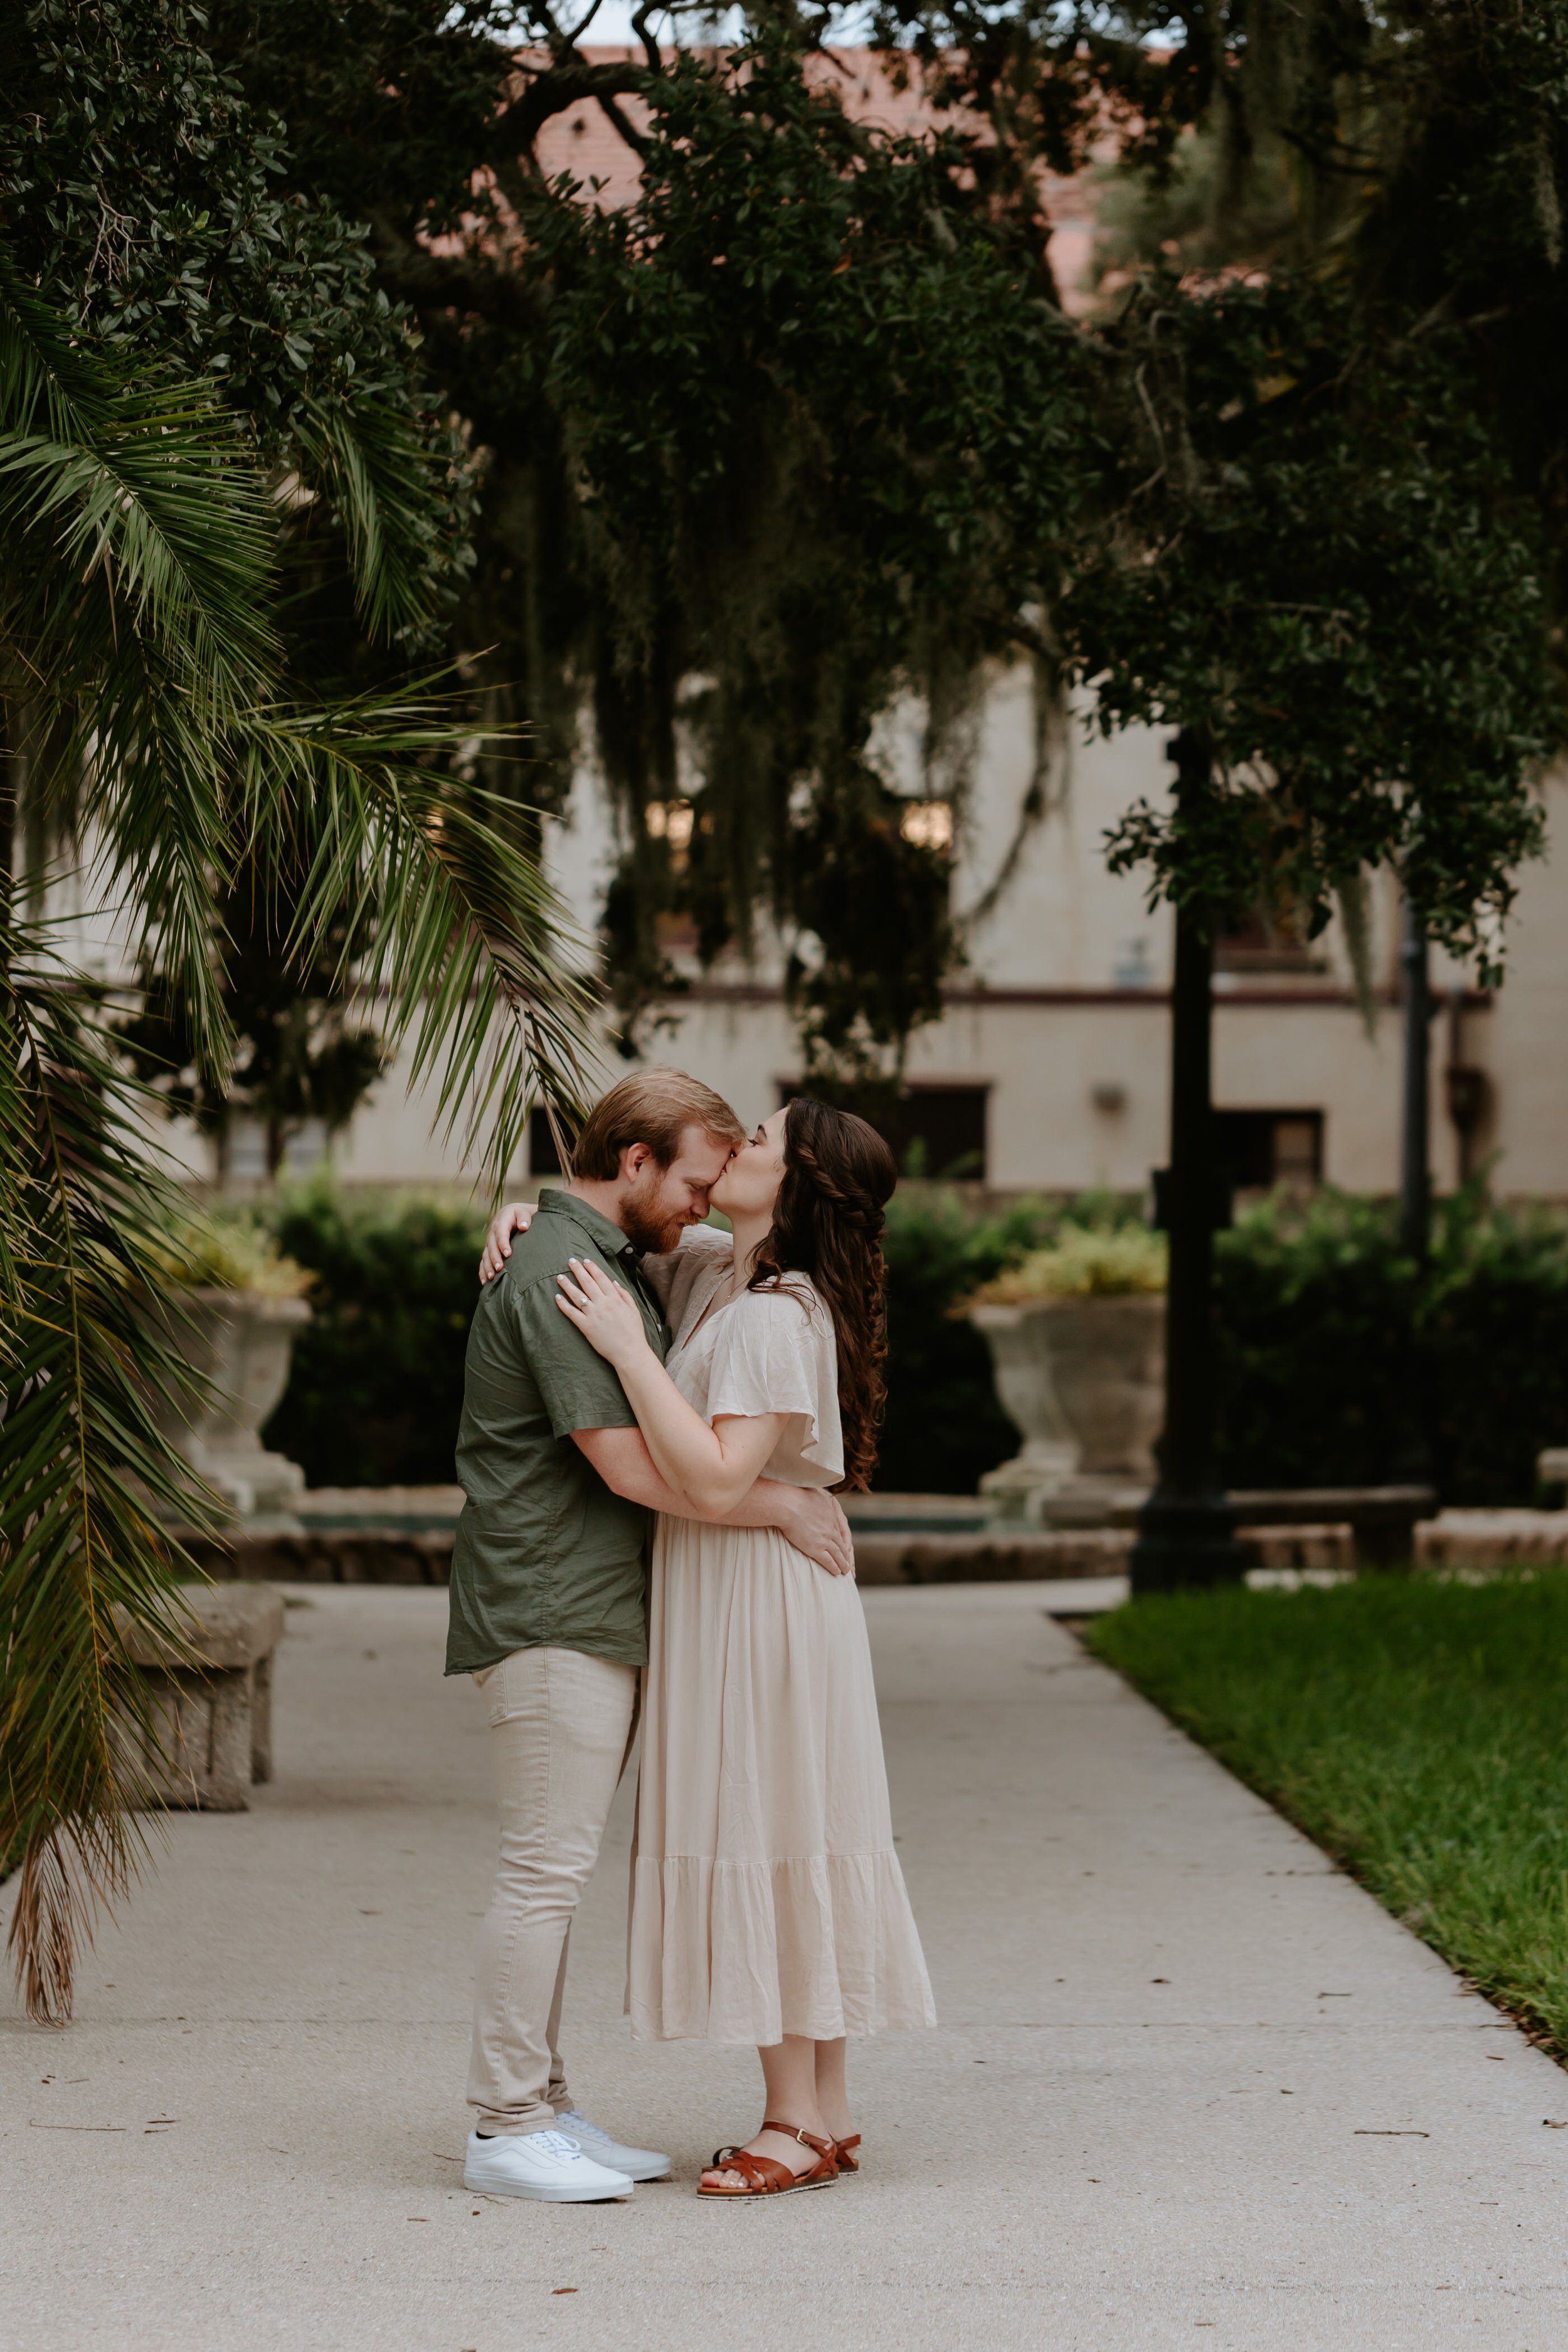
(636, 2163)
(546, 2165)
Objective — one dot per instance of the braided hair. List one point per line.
(828, 1224)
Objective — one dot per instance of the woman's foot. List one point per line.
(779, 2148)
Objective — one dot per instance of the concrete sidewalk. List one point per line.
(1188, 2078)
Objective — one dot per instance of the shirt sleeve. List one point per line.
(578, 1388)
(769, 1357)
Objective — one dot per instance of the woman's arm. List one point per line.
(713, 1466)
(659, 1267)
(809, 1517)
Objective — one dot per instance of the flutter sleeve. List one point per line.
(774, 1352)
(666, 1269)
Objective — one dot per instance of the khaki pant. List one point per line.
(561, 1730)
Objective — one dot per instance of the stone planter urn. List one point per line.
(238, 1343)
(1084, 1379)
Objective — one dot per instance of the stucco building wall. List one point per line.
(1059, 1011)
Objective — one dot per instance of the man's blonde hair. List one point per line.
(656, 1108)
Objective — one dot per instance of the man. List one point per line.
(548, 1602)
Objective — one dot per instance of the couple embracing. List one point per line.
(634, 1372)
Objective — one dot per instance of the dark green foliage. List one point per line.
(136, 178)
(1495, 1319)
(1319, 1314)
(376, 1386)
(1323, 571)
(944, 1427)
(1314, 1311)
(801, 428)
(1413, 1728)
(1321, 1320)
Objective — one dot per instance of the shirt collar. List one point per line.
(595, 1224)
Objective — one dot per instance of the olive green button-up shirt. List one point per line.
(545, 1554)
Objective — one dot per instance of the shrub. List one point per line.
(1337, 1361)
(1332, 1352)
(944, 1427)
(1316, 1381)
(1495, 1323)
(1082, 1262)
(376, 1387)
(224, 1250)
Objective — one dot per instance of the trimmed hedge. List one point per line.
(376, 1386)
(1331, 1350)
(1334, 1352)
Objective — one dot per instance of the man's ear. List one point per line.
(634, 1160)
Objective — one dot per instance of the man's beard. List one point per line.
(650, 1231)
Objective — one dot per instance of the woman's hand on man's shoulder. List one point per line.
(515, 1218)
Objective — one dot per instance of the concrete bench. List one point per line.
(211, 1726)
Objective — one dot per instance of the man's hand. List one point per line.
(812, 1520)
(515, 1218)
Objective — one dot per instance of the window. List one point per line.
(934, 1130)
(1260, 1149)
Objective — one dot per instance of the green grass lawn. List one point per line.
(1418, 1730)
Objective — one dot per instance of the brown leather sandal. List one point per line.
(765, 2176)
(844, 2154)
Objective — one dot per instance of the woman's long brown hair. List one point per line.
(827, 1223)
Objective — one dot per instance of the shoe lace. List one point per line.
(557, 2144)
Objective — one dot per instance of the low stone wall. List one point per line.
(392, 1556)
(990, 1558)
(1492, 1540)
(396, 1556)
(329, 1556)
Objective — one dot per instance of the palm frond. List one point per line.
(482, 963)
(84, 1468)
(42, 363)
(136, 584)
(381, 474)
(141, 525)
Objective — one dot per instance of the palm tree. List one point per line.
(142, 702)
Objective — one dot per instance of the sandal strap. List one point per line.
(806, 2139)
(765, 2173)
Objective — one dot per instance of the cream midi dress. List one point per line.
(766, 1895)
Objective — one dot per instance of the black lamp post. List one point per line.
(1416, 1156)
(1186, 1528)
(1414, 1453)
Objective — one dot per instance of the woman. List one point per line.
(768, 1905)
